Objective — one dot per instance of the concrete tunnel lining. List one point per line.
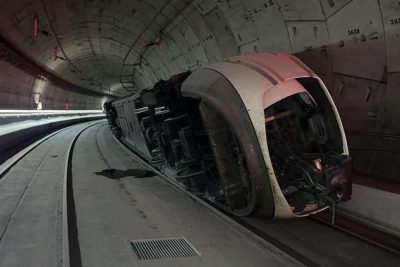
(351, 44)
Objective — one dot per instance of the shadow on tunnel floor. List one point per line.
(118, 174)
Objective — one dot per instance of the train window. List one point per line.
(303, 152)
(315, 90)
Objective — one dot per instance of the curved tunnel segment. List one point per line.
(226, 140)
(351, 44)
(255, 106)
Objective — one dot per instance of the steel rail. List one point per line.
(359, 230)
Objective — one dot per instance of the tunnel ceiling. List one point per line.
(95, 44)
(90, 43)
(99, 43)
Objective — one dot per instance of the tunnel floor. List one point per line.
(116, 200)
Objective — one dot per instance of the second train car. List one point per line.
(258, 135)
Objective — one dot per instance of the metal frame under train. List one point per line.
(258, 135)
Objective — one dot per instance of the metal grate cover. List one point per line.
(163, 248)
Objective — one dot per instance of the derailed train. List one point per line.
(257, 135)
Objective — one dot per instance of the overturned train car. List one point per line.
(257, 135)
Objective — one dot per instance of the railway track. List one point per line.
(71, 247)
(256, 226)
(274, 235)
(70, 243)
(11, 161)
(364, 232)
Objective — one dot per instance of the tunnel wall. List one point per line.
(19, 90)
(352, 45)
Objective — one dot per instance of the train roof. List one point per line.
(276, 67)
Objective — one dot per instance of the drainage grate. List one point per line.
(163, 248)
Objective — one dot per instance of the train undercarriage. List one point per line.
(209, 143)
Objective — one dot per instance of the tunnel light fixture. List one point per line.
(35, 26)
(36, 30)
